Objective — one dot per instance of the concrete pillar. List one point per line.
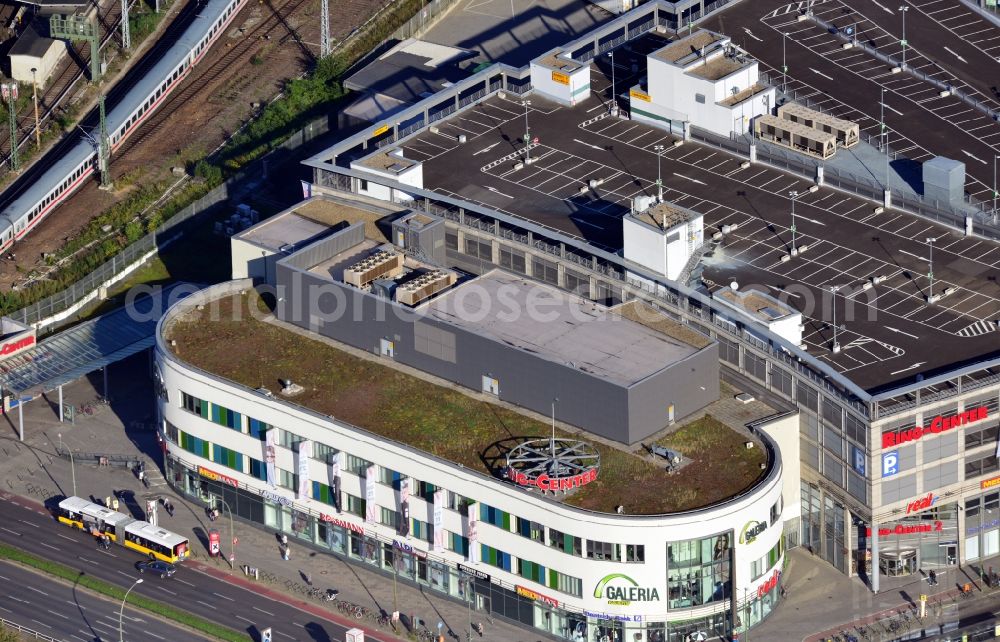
(495, 251)
(820, 175)
(753, 153)
(561, 274)
(20, 419)
(60, 404)
(887, 199)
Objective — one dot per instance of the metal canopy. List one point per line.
(90, 346)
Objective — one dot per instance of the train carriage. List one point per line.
(66, 174)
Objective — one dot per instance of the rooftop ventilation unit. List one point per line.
(425, 285)
(379, 265)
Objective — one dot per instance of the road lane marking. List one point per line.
(48, 626)
(206, 604)
(496, 191)
(883, 7)
(485, 149)
(163, 588)
(10, 531)
(65, 537)
(225, 597)
(32, 588)
(263, 611)
(154, 635)
(916, 365)
(240, 617)
(55, 548)
(600, 149)
(57, 614)
(750, 33)
(956, 55)
(897, 331)
(974, 157)
(816, 71)
(891, 109)
(184, 582)
(693, 180)
(29, 523)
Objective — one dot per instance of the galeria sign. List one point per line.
(622, 590)
(936, 425)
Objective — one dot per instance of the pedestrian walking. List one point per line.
(114, 503)
(286, 553)
(107, 501)
(170, 508)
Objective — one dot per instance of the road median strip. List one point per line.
(215, 631)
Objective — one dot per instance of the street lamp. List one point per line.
(793, 194)
(784, 67)
(995, 157)
(527, 133)
(836, 344)
(903, 9)
(34, 91)
(72, 464)
(930, 269)
(121, 613)
(659, 182)
(555, 400)
(232, 536)
(614, 95)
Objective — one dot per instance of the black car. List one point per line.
(156, 567)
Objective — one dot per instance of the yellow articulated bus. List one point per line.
(150, 540)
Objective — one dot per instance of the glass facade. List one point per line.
(699, 571)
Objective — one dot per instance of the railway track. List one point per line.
(61, 86)
(203, 76)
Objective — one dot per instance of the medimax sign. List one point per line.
(941, 423)
(621, 590)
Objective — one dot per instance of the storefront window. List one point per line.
(699, 571)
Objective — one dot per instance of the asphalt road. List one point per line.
(195, 592)
(37, 602)
(903, 115)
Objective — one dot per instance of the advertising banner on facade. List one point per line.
(335, 478)
(370, 494)
(472, 533)
(305, 452)
(270, 442)
(439, 500)
(403, 527)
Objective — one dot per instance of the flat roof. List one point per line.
(284, 231)
(663, 215)
(387, 162)
(757, 304)
(333, 267)
(410, 70)
(849, 243)
(739, 97)
(718, 67)
(360, 389)
(688, 46)
(567, 328)
(556, 62)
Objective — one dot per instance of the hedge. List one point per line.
(56, 569)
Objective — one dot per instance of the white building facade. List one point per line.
(567, 571)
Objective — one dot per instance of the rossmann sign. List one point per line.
(941, 423)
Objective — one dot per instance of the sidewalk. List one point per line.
(32, 470)
(821, 602)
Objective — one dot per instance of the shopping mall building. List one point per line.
(898, 463)
(511, 542)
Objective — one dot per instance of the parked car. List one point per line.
(156, 567)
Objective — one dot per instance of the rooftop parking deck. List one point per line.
(883, 331)
(456, 425)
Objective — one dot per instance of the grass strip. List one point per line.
(57, 569)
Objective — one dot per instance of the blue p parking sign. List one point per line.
(890, 463)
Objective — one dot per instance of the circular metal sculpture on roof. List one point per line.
(553, 464)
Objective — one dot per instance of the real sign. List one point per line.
(918, 505)
(936, 425)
